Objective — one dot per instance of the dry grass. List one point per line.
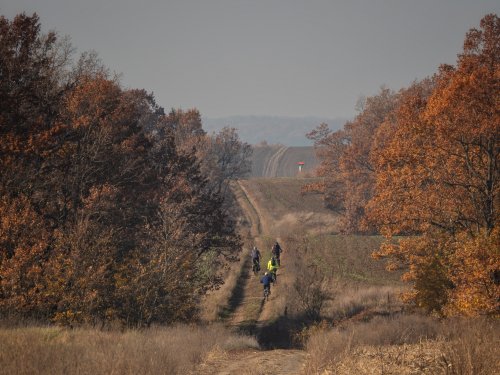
(346, 258)
(352, 283)
(407, 359)
(472, 347)
(405, 344)
(286, 210)
(173, 350)
(214, 303)
(353, 301)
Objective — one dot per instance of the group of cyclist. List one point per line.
(272, 266)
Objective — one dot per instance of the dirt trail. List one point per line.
(249, 314)
(252, 362)
(250, 212)
(247, 302)
(271, 168)
(260, 223)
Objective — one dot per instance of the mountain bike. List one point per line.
(256, 266)
(274, 276)
(267, 293)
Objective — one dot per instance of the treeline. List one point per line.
(423, 163)
(110, 209)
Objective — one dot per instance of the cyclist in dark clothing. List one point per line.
(276, 251)
(267, 280)
(255, 259)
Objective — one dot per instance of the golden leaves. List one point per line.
(438, 176)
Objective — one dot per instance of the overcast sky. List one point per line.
(264, 57)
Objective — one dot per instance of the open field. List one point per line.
(285, 210)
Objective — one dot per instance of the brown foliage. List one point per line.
(346, 161)
(23, 244)
(105, 211)
(439, 176)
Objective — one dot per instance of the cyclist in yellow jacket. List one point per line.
(272, 267)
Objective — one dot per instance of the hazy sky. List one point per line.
(264, 57)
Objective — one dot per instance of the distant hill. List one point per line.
(281, 161)
(288, 131)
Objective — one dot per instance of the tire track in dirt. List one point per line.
(252, 207)
(252, 216)
(253, 312)
(247, 301)
(252, 362)
(271, 168)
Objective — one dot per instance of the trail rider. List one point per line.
(256, 257)
(267, 279)
(276, 251)
(272, 267)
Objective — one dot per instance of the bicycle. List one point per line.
(256, 266)
(278, 260)
(267, 293)
(274, 276)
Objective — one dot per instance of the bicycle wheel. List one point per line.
(255, 268)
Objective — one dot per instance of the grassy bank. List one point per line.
(405, 344)
(169, 350)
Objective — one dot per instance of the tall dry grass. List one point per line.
(172, 350)
(471, 347)
(350, 301)
(213, 304)
(327, 346)
(406, 344)
(345, 275)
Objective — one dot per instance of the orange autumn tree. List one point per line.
(346, 163)
(438, 178)
(356, 163)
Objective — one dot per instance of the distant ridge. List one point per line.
(287, 131)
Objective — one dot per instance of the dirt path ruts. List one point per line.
(252, 362)
(247, 314)
(247, 303)
(271, 168)
(251, 213)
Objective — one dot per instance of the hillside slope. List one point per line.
(281, 161)
(286, 210)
